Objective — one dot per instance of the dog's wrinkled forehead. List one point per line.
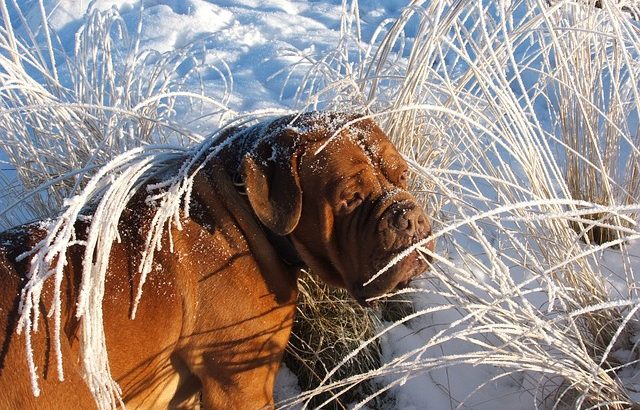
(316, 126)
(354, 145)
(326, 136)
(331, 133)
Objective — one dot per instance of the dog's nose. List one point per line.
(411, 221)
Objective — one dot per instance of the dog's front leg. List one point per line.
(250, 390)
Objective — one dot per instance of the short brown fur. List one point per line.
(216, 313)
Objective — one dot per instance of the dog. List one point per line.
(325, 191)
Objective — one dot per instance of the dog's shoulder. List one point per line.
(15, 242)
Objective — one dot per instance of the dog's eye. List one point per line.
(350, 202)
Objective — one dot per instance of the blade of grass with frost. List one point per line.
(93, 134)
(527, 138)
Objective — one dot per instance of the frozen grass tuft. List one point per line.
(593, 100)
(328, 326)
(520, 121)
(90, 130)
(63, 117)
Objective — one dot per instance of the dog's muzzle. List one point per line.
(401, 224)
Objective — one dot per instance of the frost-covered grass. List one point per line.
(91, 129)
(520, 121)
(65, 116)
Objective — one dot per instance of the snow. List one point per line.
(287, 383)
(445, 388)
(257, 41)
(249, 36)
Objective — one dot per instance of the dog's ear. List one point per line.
(273, 186)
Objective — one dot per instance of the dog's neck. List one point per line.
(285, 249)
(237, 143)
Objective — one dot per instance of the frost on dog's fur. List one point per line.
(108, 193)
(115, 185)
(78, 114)
(513, 284)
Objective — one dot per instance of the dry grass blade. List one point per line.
(328, 326)
(520, 121)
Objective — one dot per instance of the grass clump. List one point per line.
(520, 122)
(594, 104)
(329, 325)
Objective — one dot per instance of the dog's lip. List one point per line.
(414, 257)
(366, 299)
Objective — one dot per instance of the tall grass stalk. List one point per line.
(91, 129)
(520, 121)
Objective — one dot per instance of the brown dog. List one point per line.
(216, 313)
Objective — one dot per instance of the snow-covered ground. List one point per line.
(257, 40)
(254, 43)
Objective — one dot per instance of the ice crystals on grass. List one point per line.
(114, 185)
(106, 196)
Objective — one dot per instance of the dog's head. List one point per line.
(338, 187)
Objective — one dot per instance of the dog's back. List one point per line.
(139, 350)
(14, 373)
